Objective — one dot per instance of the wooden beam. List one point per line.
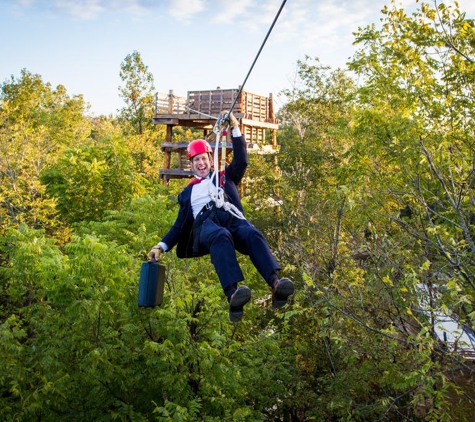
(166, 121)
(255, 123)
(176, 173)
(181, 146)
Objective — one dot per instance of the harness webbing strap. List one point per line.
(216, 192)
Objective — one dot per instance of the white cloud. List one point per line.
(80, 9)
(88, 9)
(135, 7)
(232, 11)
(24, 3)
(251, 13)
(184, 10)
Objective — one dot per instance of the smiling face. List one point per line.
(201, 164)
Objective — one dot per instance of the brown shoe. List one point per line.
(281, 292)
(240, 297)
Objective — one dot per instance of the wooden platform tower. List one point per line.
(199, 110)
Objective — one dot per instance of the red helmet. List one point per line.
(198, 146)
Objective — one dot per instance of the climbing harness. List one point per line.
(216, 189)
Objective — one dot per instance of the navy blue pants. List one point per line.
(222, 234)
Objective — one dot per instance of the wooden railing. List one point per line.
(170, 103)
(210, 103)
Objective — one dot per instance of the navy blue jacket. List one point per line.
(181, 233)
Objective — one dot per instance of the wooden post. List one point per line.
(166, 159)
(171, 101)
(271, 109)
(166, 163)
(167, 152)
(169, 135)
(273, 132)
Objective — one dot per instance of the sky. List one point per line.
(187, 45)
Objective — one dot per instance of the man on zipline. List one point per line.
(207, 225)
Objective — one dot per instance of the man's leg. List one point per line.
(220, 244)
(250, 241)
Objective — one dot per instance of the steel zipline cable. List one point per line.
(258, 54)
(253, 63)
(222, 122)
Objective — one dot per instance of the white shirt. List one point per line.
(200, 195)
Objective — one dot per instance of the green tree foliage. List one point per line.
(376, 207)
(135, 118)
(368, 208)
(314, 140)
(37, 123)
(87, 181)
(417, 119)
(83, 350)
(138, 94)
(413, 154)
(105, 128)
